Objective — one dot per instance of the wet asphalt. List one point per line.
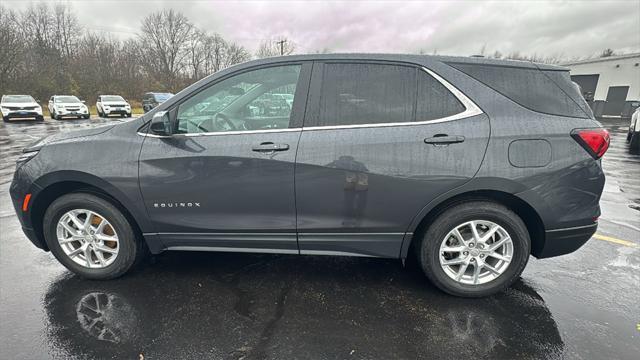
(181, 305)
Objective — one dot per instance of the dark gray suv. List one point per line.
(470, 164)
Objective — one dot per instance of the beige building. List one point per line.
(611, 84)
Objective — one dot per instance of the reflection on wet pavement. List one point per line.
(256, 306)
(243, 306)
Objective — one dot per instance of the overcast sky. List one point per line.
(566, 28)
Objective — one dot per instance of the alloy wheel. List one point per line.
(87, 238)
(476, 252)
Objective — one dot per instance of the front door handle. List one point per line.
(444, 139)
(270, 147)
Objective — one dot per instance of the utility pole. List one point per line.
(281, 43)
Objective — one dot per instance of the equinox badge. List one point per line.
(176, 205)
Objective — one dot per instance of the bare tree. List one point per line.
(281, 46)
(236, 54)
(607, 52)
(10, 38)
(164, 38)
(67, 30)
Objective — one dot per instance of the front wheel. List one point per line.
(90, 236)
(475, 249)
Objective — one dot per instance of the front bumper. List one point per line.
(118, 111)
(20, 186)
(67, 112)
(21, 114)
(564, 241)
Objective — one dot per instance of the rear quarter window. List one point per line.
(434, 100)
(546, 92)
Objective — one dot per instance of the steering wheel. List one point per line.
(197, 125)
(223, 123)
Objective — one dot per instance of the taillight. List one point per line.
(595, 141)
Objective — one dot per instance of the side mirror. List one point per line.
(82, 101)
(161, 124)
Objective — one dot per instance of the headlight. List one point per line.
(25, 157)
(39, 110)
(59, 107)
(4, 110)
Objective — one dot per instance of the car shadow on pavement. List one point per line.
(217, 305)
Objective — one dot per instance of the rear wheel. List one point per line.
(90, 236)
(475, 249)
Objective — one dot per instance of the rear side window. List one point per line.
(434, 100)
(356, 94)
(531, 88)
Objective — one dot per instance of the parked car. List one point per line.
(633, 136)
(67, 105)
(152, 99)
(20, 106)
(112, 105)
(469, 164)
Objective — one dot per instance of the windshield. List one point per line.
(163, 96)
(112, 98)
(66, 99)
(17, 99)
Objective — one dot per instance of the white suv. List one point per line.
(67, 105)
(20, 106)
(112, 105)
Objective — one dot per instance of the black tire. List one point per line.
(86, 116)
(130, 251)
(5, 118)
(128, 114)
(39, 118)
(429, 247)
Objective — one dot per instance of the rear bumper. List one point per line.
(564, 241)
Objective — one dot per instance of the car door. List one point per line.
(225, 181)
(379, 142)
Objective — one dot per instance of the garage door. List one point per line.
(616, 97)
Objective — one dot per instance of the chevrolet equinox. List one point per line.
(470, 164)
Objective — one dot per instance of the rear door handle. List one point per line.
(270, 147)
(444, 139)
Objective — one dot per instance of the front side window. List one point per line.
(356, 94)
(255, 100)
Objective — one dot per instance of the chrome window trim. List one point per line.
(219, 133)
(471, 109)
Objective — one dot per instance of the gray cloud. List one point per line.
(566, 28)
